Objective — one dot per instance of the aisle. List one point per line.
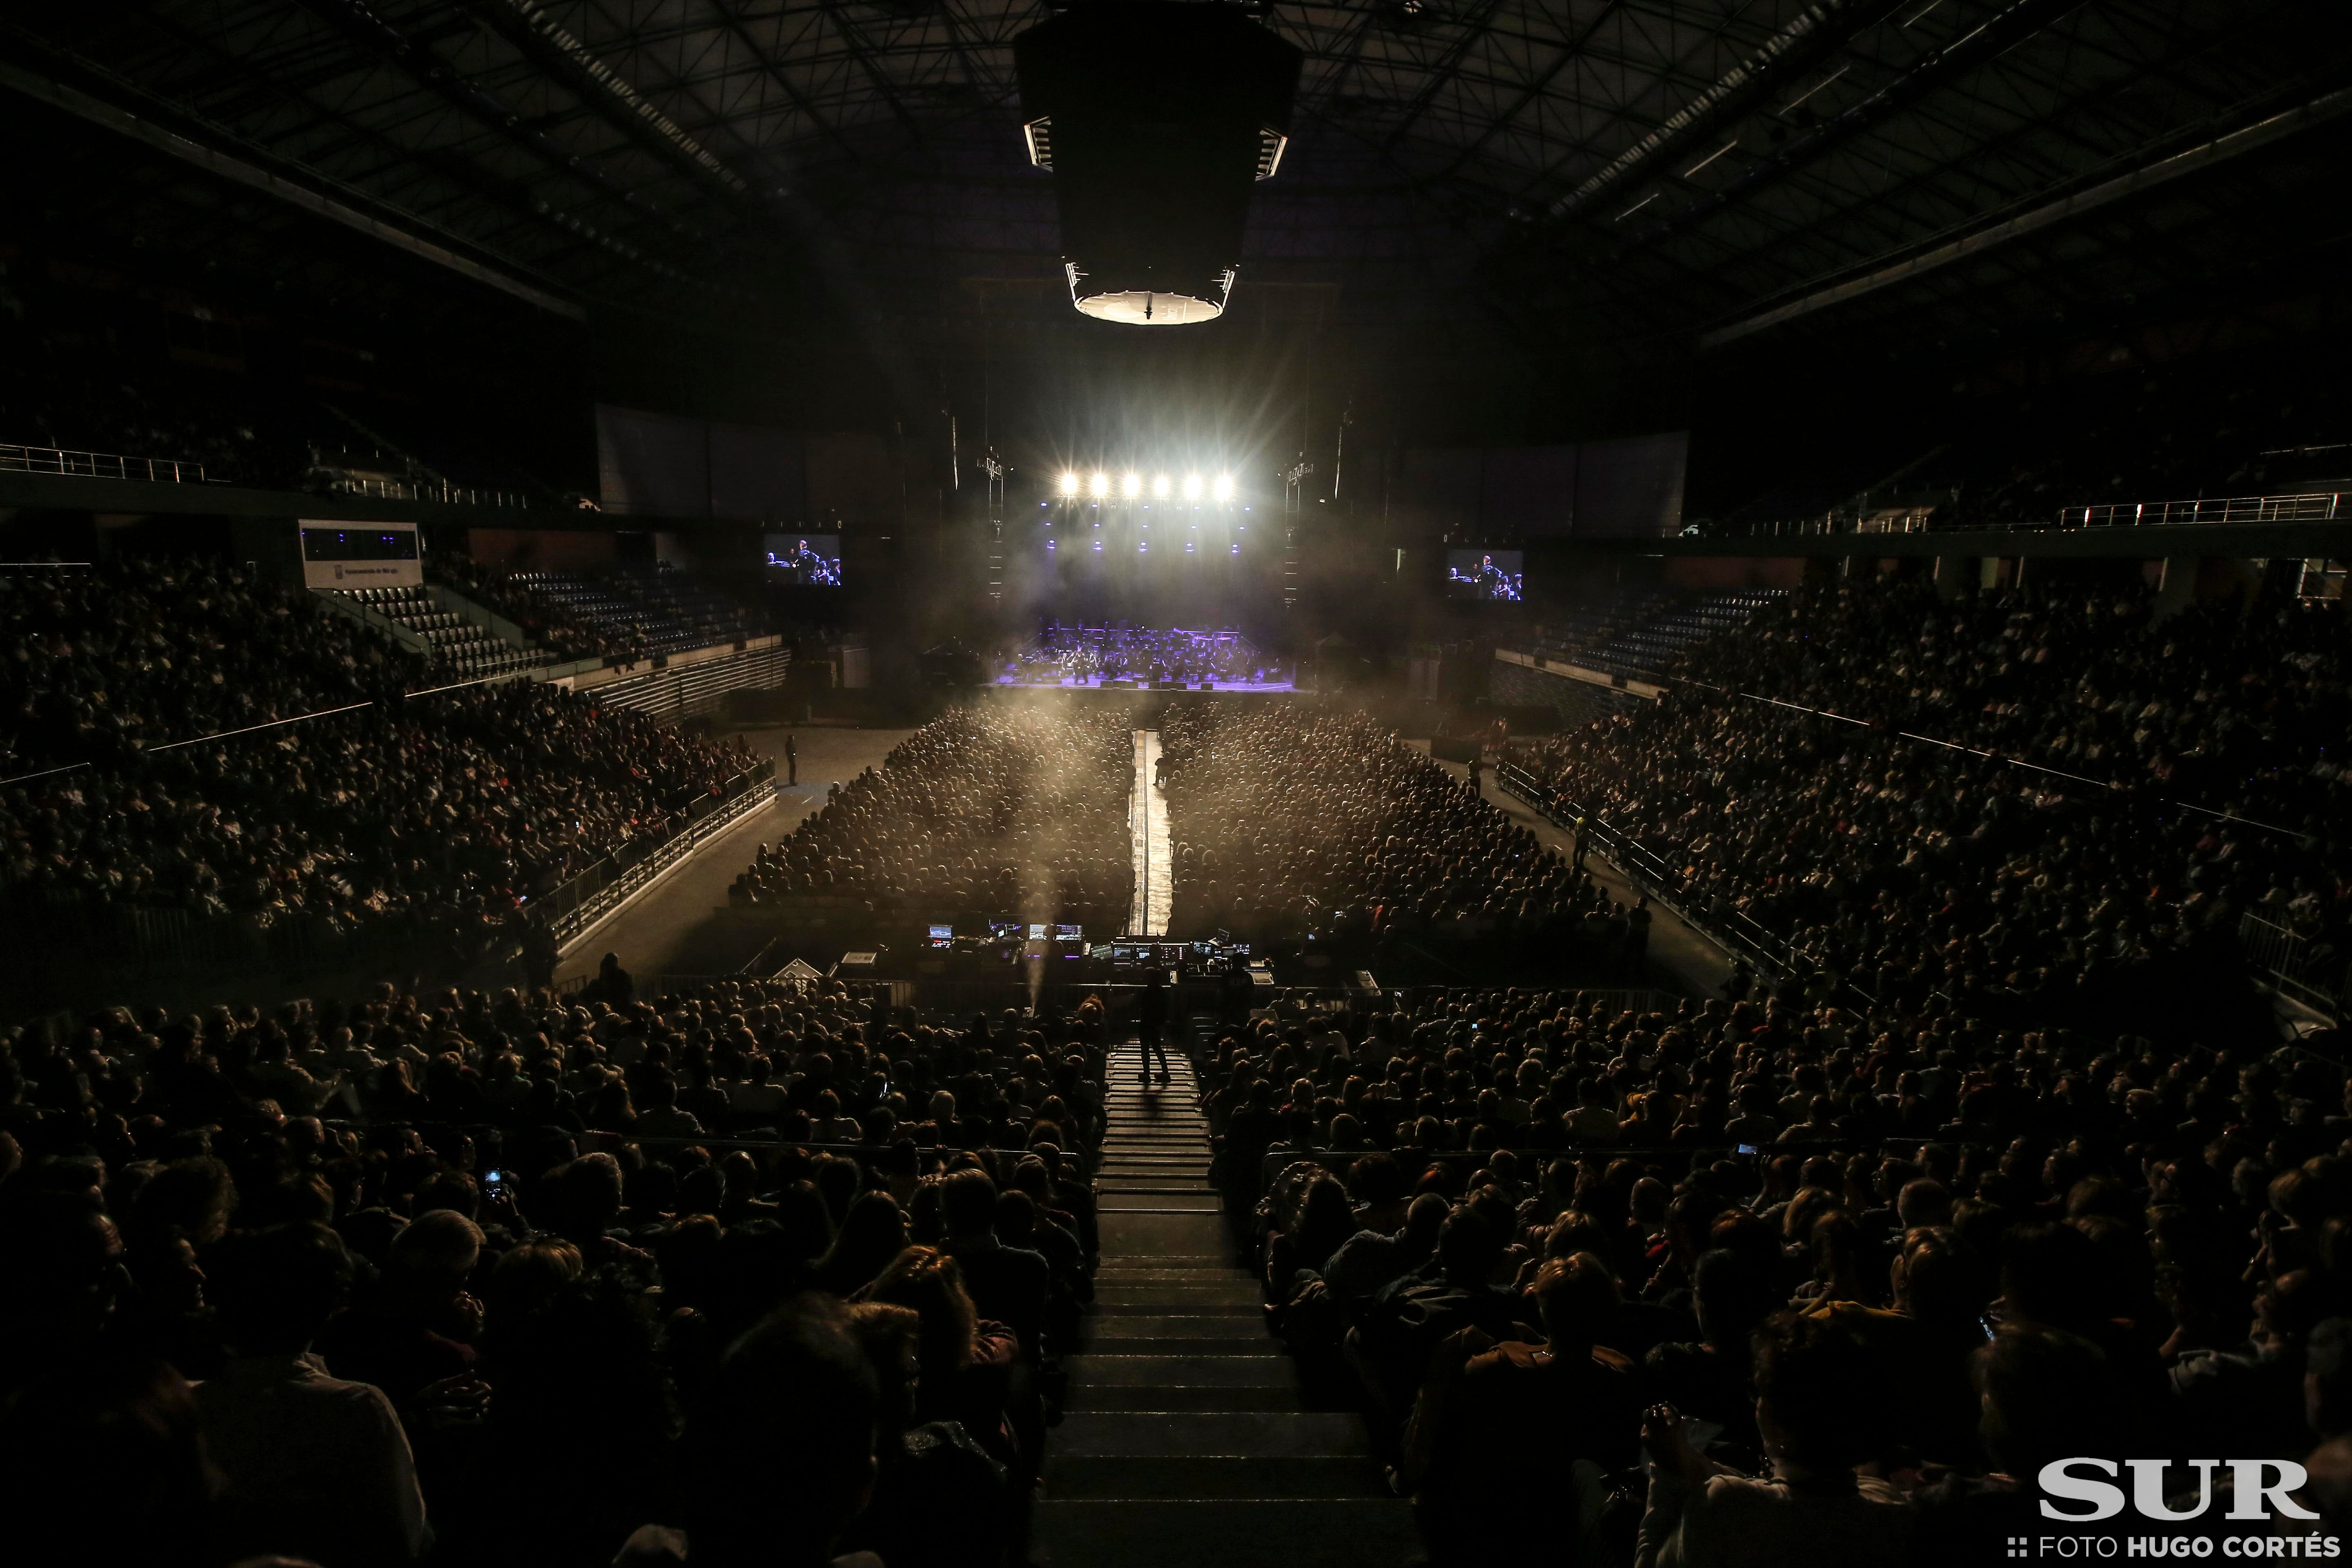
(1187, 1441)
(1154, 878)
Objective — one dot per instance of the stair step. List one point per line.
(1211, 1476)
(1137, 1235)
(1301, 1532)
(1114, 1398)
(1243, 1336)
(1095, 1369)
(1189, 1434)
(1201, 1332)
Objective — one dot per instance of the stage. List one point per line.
(1137, 683)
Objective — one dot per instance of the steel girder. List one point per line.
(1633, 167)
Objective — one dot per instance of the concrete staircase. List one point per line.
(1187, 1440)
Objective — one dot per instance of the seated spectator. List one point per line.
(313, 1467)
(1008, 1284)
(419, 1324)
(939, 1499)
(778, 1459)
(1509, 1443)
(1817, 1408)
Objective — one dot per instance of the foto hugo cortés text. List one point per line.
(2087, 1490)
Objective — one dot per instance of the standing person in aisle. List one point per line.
(1151, 1025)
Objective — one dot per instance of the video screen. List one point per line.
(942, 936)
(359, 544)
(805, 560)
(1068, 933)
(1004, 931)
(1036, 933)
(1486, 574)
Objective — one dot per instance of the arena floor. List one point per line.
(680, 927)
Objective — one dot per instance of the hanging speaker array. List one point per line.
(1156, 118)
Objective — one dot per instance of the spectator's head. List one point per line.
(1730, 1296)
(527, 1277)
(1467, 1247)
(432, 1258)
(1923, 1202)
(968, 1204)
(890, 1339)
(587, 1197)
(931, 1283)
(2047, 1394)
(275, 1289)
(2049, 1278)
(780, 1457)
(1424, 1218)
(1577, 1298)
(1816, 1394)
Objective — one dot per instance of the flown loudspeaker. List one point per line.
(1155, 117)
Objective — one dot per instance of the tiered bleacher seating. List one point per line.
(467, 649)
(594, 604)
(1586, 625)
(1650, 645)
(704, 612)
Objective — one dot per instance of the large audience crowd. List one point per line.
(481, 1279)
(2047, 806)
(432, 817)
(1288, 820)
(1817, 1275)
(1841, 1281)
(982, 814)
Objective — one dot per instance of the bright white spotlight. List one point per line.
(1102, 487)
(1069, 484)
(1159, 488)
(1224, 487)
(1132, 486)
(1191, 486)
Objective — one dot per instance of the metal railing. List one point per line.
(2314, 974)
(2326, 508)
(588, 896)
(98, 465)
(443, 491)
(1730, 929)
(2330, 507)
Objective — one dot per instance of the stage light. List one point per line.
(1159, 488)
(1191, 486)
(1224, 487)
(1132, 486)
(1069, 484)
(1102, 487)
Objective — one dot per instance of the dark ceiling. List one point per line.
(1655, 175)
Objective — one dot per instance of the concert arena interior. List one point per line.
(1140, 784)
